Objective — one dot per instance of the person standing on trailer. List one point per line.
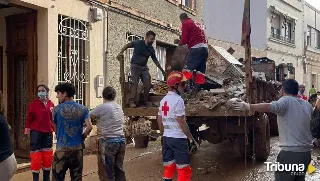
(40, 127)
(193, 35)
(172, 123)
(143, 49)
(111, 141)
(69, 118)
(294, 118)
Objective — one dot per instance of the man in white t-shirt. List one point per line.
(171, 121)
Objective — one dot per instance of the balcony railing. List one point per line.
(282, 38)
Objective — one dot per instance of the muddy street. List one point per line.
(212, 162)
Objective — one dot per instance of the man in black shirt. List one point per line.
(143, 49)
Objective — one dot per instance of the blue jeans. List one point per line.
(110, 159)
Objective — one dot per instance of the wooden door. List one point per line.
(22, 74)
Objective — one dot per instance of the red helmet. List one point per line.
(175, 78)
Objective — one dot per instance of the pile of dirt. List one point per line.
(160, 87)
(141, 127)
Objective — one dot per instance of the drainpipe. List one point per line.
(105, 44)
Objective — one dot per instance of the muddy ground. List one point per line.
(212, 162)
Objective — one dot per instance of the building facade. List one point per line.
(277, 27)
(312, 46)
(48, 42)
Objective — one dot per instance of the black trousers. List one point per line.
(288, 157)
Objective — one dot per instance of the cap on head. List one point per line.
(175, 78)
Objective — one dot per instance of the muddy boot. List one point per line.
(132, 105)
(148, 104)
(46, 175)
(35, 176)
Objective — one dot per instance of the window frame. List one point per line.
(190, 8)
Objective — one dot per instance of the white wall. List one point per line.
(223, 21)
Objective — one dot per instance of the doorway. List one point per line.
(21, 74)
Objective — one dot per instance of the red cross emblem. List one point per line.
(165, 108)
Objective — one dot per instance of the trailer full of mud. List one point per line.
(207, 113)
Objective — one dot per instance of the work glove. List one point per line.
(238, 104)
(193, 146)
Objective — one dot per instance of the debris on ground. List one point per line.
(209, 99)
(140, 127)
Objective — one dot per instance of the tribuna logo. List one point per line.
(284, 167)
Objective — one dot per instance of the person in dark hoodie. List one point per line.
(8, 163)
(40, 127)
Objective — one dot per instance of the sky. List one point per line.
(314, 3)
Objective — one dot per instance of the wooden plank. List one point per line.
(190, 111)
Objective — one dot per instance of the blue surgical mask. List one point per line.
(42, 95)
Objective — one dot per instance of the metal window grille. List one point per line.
(73, 58)
(161, 54)
(189, 3)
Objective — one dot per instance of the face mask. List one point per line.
(42, 95)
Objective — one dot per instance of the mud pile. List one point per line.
(214, 97)
(140, 127)
(231, 88)
(160, 88)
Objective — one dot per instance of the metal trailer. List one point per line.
(222, 123)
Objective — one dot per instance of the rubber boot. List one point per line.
(46, 175)
(35, 176)
(169, 171)
(184, 174)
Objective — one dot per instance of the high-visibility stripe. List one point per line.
(47, 157)
(188, 74)
(200, 79)
(184, 174)
(169, 171)
(182, 166)
(36, 161)
(169, 163)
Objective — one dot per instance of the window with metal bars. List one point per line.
(191, 4)
(73, 55)
(129, 52)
